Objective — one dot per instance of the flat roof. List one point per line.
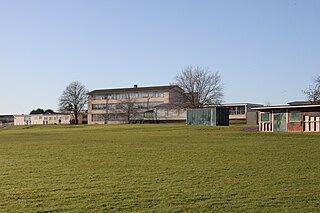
(132, 89)
(286, 107)
(42, 114)
(239, 104)
(295, 103)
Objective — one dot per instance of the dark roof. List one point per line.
(298, 103)
(132, 89)
(1, 116)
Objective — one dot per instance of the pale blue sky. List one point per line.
(265, 51)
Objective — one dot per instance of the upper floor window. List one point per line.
(129, 95)
(100, 97)
(121, 105)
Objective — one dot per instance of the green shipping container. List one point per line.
(217, 116)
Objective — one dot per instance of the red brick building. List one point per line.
(294, 117)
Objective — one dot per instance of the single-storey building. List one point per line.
(215, 116)
(38, 119)
(242, 111)
(6, 120)
(165, 113)
(294, 117)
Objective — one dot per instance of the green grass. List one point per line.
(160, 168)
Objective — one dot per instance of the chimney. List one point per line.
(135, 86)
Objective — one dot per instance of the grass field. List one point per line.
(160, 168)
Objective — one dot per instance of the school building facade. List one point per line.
(147, 104)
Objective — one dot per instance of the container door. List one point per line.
(279, 122)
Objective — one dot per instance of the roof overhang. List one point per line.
(133, 89)
(241, 104)
(287, 107)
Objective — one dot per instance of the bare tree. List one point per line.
(74, 99)
(107, 114)
(313, 91)
(128, 107)
(200, 86)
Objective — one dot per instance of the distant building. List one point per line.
(243, 111)
(43, 119)
(6, 120)
(149, 104)
(294, 117)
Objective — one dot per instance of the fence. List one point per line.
(265, 126)
(311, 124)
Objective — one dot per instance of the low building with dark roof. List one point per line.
(242, 111)
(166, 113)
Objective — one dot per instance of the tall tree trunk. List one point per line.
(76, 117)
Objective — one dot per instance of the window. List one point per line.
(117, 117)
(98, 106)
(294, 116)
(98, 117)
(237, 110)
(130, 95)
(147, 104)
(265, 117)
(241, 110)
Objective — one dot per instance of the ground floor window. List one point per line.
(265, 117)
(98, 117)
(295, 116)
(237, 110)
(109, 117)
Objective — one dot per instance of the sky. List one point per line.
(265, 51)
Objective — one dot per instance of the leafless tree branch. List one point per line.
(313, 91)
(128, 107)
(73, 99)
(200, 86)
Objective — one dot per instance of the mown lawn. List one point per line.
(160, 168)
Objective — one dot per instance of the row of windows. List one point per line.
(56, 118)
(171, 112)
(294, 117)
(109, 117)
(124, 116)
(237, 110)
(28, 118)
(119, 106)
(129, 95)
